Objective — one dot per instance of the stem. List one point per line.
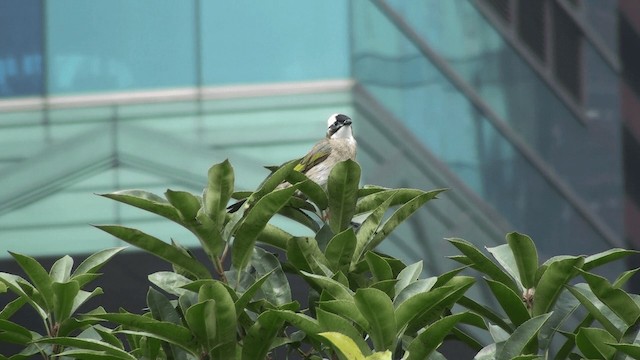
(218, 263)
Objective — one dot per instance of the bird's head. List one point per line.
(339, 127)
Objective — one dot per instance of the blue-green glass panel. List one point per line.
(109, 45)
(21, 48)
(507, 83)
(410, 86)
(261, 41)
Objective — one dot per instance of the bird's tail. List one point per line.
(235, 206)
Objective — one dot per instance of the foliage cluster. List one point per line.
(362, 304)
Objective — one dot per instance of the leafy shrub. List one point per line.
(362, 304)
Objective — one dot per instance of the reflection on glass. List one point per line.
(407, 84)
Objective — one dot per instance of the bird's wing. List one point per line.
(318, 153)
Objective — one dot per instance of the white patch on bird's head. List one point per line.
(339, 127)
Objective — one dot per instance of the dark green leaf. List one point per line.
(332, 287)
(260, 336)
(342, 189)
(518, 341)
(61, 269)
(277, 290)
(169, 281)
(94, 262)
(483, 264)
(38, 276)
(526, 257)
(616, 299)
(340, 250)
(201, 319)
(416, 287)
(186, 203)
(255, 221)
(605, 257)
(368, 229)
(161, 308)
(371, 201)
(305, 255)
(379, 268)
(274, 236)
(12, 307)
(510, 302)
(590, 302)
(146, 201)
(312, 190)
(225, 320)
(146, 326)
(246, 297)
(14, 333)
(158, 248)
(430, 339)
(63, 299)
(346, 309)
(408, 275)
(332, 322)
(552, 282)
(629, 349)
(592, 343)
(400, 215)
(218, 192)
(377, 308)
(86, 346)
(300, 217)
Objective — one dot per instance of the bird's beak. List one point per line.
(347, 122)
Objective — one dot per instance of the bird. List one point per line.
(338, 145)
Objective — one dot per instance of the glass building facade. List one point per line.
(525, 110)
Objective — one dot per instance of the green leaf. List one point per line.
(274, 236)
(146, 201)
(63, 299)
(332, 322)
(340, 250)
(332, 287)
(483, 264)
(562, 312)
(311, 189)
(13, 283)
(158, 248)
(305, 255)
(432, 337)
(344, 344)
(186, 203)
(61, 269)
(346, 309)
(379, 267)
(552, 282)
(629, 349)
(592, 342)
(225, 320)
(86, 346)
(14, 333)
(255, 221)
(161, 308)
(595, 308)
(342, 190)
(12, 307)
(246, 297)
(301, 321)
(377, 308)
(201, 319)
(518, 341)
(504, 256)
(373, 200)
(416, 287)
(400, 215)
(423, 307)
(624, 277)
(94, 262)
(276, 178)
(300, 217)
(169, 281)
(368, 229)
(510, 302)
(145, 326)
(260, 336)
(277, 290)
(38, 276)
(605, 257)
(218, 192)
(526, 257)
(616, 299)
(408, 275)
(84, 296)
